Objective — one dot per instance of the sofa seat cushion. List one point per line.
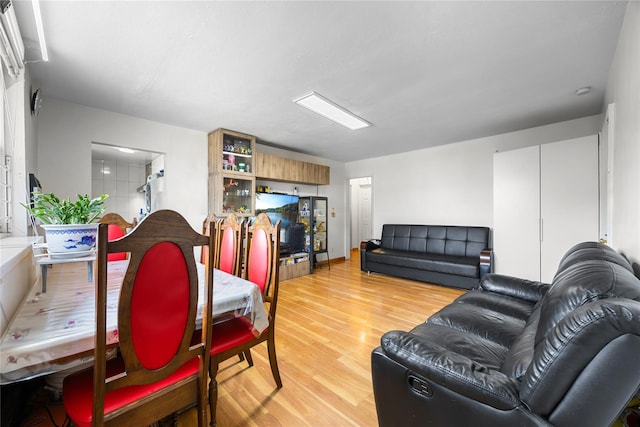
(495, 318)
(504, 304)
(478, 322)
(448, 264)
(482, 351)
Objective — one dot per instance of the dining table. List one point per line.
(54, 331)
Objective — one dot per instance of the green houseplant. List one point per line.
(50, 209)
(69, 231)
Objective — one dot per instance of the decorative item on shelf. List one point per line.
(68, 225)
(230, 183)
(231, 162)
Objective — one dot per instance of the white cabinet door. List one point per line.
(516, 212)
(545, 200)
(569, 198)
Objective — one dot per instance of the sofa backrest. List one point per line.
(436, 239)
(590, 304)
(586, 251)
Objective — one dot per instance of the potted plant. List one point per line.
(68, 225)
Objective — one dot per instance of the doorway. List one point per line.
(123, 173)
(360, 191)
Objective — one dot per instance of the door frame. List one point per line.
(354, 212)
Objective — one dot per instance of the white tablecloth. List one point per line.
(55, 331)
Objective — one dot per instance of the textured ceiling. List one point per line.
(424, 73)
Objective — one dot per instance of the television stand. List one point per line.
(294, 265)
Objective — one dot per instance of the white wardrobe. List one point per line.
(545, 200)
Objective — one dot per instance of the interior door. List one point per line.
(364, 209)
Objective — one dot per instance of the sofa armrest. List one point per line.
(486, 262)
(452, 370)
(527, 290)
(370, 245)
(366, 246)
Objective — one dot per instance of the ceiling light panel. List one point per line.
(39, 28)
(332, 111)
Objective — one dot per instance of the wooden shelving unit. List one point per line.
(294, 265)
(276, 168)
(232, 178)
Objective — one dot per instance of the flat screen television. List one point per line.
(283, 207)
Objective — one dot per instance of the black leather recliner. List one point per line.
(520, 353)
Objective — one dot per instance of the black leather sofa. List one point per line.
(520, 353)
(446, 255)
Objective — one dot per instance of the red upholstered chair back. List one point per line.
(259, 259)
(158, 314)
(263, 247)
(229, 257)
(117, 228)
(115, 232)
(157, 306)
(227, 251)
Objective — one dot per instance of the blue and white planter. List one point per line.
(65, 239)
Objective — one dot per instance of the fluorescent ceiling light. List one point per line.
(332, 111)
(11, 46)
(125, 150)
(38, 17)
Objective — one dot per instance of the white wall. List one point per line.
(16, 147)
(450, 184)
(66, 131)
(336, 192)
(623, 89)
(17, 271)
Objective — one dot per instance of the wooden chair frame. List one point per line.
(116, 219)
(170, 229)
(262, 224)
(211, 227)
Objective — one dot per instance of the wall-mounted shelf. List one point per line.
(274, 168)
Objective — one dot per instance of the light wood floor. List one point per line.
(327, 325)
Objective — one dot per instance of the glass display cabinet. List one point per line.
(237, 197)
(312, 213)
(231, 173)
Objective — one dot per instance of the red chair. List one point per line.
(229, 253)
(117, 228)
(158, 370)
(235, 337)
